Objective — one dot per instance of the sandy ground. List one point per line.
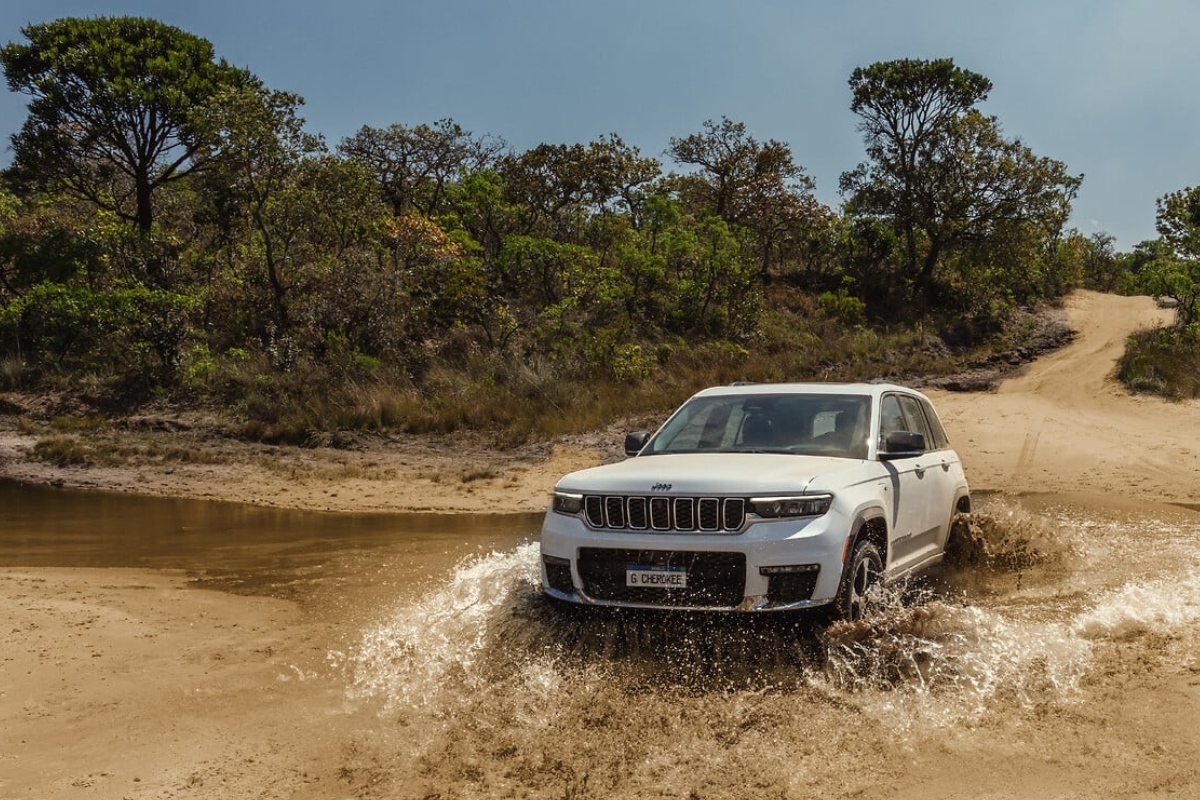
(1066, 427)
(128, 683)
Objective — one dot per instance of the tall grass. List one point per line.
(523, 393)
(520, 398)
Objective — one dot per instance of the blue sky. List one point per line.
(1108, 86)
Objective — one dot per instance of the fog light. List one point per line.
(793, 583)
(558, 574)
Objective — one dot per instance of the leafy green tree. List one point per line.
(560, 187)
(1178, 221)
(480, 209)
(905, 109)
(255, 191)
(138, 332)
(1175, 272)
(734, 167)
(755, 186)
(111, 115)
(1104, 269)
(434, 281)
(1141, 256)
(414, 166)
(1177, 280)
(944, 176)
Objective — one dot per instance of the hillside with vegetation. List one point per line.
(171, 234)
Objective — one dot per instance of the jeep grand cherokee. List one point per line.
(760, 497)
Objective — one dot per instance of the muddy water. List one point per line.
(302, 556)
(1056, 657)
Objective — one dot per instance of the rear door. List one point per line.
(947, 473)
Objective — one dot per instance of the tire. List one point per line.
(857, 596)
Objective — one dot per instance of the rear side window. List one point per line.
(914, 417)
(939, 440)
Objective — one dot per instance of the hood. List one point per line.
(706, 474)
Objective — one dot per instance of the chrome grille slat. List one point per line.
(665, 514)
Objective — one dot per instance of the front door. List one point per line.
(916, 486)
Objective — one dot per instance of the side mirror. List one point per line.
(634, 442)
(903, 444)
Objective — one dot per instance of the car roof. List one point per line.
(820, 387)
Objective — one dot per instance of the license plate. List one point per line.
(656, 577)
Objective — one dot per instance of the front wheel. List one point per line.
(861, 584)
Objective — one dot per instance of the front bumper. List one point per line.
(772, 565)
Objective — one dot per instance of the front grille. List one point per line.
(681, 514)
(714, 580)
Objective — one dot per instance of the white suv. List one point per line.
(760, 497)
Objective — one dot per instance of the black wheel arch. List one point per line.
(871, 526)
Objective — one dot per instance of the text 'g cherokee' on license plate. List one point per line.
(660, 577)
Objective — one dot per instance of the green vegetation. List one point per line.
(1167, 362)
(170, 232)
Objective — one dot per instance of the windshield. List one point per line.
(806, 424)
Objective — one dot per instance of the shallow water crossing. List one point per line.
(1056, 656)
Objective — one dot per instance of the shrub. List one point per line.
(1163, 362)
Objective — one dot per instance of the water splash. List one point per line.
(1163, 606)
(487, 640)
(1006, 538)
(938, 663)
(422, 650)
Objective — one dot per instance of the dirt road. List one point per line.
(1066, 427)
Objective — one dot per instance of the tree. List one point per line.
(111, 117)
(258, 184)
(562, 185)
(733, 166)
(1103, 269)
(754, 185)
(941, 172)
(1174, 272)
(415, 165)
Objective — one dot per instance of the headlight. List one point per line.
(567, 503)
(804, 505)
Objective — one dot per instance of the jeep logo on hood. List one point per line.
(661, 487)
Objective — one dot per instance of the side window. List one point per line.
(914, 417)
(891, 418)
(939, 440)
